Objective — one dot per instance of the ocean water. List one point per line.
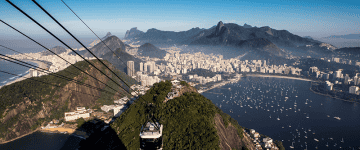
(257, 102)
(14, 69)
(41, 141)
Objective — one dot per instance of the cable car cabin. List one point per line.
(151, 136)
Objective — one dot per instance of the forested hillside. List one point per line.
(27, 104)
(189, 121)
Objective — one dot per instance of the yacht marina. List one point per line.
(272, 106)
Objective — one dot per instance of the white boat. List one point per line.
(307, 116)
(338, 118)
(278, 118)
(292, 145)
(316, 140)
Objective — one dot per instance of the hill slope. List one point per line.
(27, 104)
(150, 50)
(124, 57)
(190, 121)
(56, 50)
(100, 49)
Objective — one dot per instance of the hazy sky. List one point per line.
(306, 17)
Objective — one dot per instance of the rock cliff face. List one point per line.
(133, 32)
(36, 102)
(228, 137)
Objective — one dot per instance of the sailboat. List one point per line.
(327, 144)
(270, 116)
(307, 116)
(342, 140)
(292, 145)
(278, 118)
(305, 136)
(306, 102)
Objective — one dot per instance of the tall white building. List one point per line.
(338, 73)
(346, 79)
(353, 89)
(130, 68)
(141, 66)
(329, 85)
(33, 73)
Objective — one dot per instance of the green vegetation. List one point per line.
(183, 83)
(279, 145)
(128, 125)
(80, 122)
(189, 123)
(188, 120)
(38, 90)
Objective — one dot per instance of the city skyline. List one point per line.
(305, 18)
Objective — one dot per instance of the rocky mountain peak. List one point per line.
(219, 27)
(247, 26)
(108, 34)
(132, 32)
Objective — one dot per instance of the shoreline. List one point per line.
(40, 64)
(275, 76)
(21, 136)
(330, 96)
(253, 75)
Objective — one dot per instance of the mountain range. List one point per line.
(263, 39)
(347, 36)
(155, 36)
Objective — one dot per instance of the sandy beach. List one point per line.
(59, 129)
(40, 65)
(275, 76)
